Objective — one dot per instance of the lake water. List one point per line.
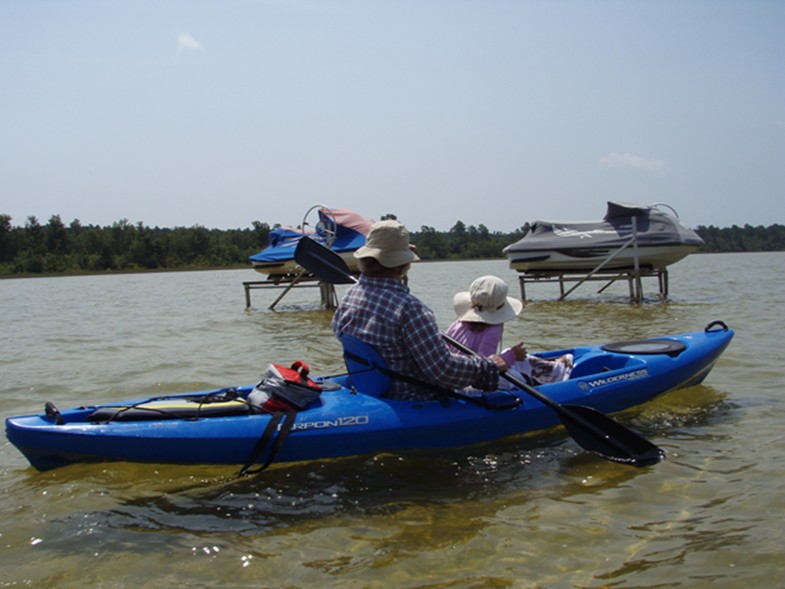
(531, 512)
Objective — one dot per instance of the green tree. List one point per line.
(261, 232)
(56, 236)
(7, 250)
(430, 244)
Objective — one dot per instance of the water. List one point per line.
(532, 512)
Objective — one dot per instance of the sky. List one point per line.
(490, 112)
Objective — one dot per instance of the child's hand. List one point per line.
(519, 351)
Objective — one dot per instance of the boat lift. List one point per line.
(304, 279)
(633, 275)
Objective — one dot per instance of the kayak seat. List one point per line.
(368, 372)
(600, 362)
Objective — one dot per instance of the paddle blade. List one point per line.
(598, 433)
(322, 262)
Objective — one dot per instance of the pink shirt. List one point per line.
(485, 342)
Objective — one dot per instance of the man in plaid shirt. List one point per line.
(381, 311)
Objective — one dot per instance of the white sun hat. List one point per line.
(486, 301)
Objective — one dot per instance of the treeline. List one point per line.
(76, 248)
(462, 242)
(56, 248)
(742, 239)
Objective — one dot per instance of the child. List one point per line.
(482, 312)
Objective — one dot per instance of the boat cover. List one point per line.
(655, 228)
(350, 230)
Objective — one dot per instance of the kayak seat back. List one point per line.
(368, 372)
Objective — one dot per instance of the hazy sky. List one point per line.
(219, 113)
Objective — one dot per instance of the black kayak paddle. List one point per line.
(593, 431)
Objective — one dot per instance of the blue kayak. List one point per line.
(221, 427)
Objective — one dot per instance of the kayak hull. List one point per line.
(344, 422)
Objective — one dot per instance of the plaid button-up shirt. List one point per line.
(383, 313)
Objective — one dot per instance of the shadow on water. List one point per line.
(379, 485)
(310, 495)
(698, 407)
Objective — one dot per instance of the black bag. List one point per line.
(282, 391)
(285, 388)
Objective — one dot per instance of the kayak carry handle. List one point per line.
(716, 324)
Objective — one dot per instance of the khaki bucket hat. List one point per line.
(388, 242)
